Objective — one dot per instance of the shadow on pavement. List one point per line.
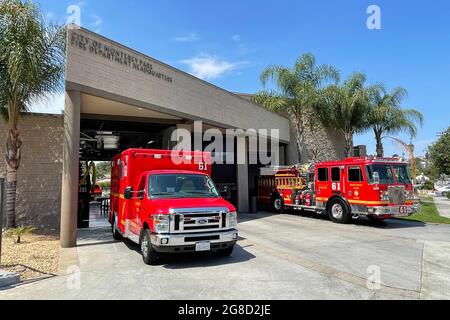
(96, 243)
(390, 223)
(245, 217)
(94, 236)
(361, 221)
(195, 260)
(364, 221)
(205, 260)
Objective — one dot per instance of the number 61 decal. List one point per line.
(203, 166)
(336, 186)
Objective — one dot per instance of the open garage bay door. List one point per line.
(100, 140)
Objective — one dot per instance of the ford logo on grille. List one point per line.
(201, 221)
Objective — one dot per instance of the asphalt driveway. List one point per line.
(278, 257)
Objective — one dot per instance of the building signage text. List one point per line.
(114, 54)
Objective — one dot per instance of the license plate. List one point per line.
(404, 211)
(202, 246)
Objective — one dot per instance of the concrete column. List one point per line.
(242, 174)
(70, 176)
(282, 153)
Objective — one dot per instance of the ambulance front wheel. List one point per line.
(149, 255)
(338, 211)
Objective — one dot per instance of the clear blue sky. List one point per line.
(229, 42)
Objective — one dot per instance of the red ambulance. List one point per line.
(166, 202)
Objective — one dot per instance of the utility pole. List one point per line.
(2, 210)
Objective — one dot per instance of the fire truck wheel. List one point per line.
(115, 232)
(278, 204)
(338, 211)
(225, 252)
(149, 255)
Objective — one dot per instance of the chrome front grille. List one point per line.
(397, 195)
(194, 220)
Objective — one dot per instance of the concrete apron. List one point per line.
(436, 270)
(102, 262)
(443, 206)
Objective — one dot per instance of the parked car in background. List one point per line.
(96, 192)
(444, 191)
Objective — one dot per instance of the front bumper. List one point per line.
(186, 242)
(394, 211)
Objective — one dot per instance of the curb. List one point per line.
(8, 279)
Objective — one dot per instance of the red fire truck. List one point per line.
(379, 188)
(169, 205)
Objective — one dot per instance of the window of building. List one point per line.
(355, 174)
(322, 174)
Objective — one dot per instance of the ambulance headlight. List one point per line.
(233, 219)
(161, 223)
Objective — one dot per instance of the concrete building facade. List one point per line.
(110, 88)
(39, 176)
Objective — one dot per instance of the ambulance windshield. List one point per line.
(182, 186)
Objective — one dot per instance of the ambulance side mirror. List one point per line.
(128, 193)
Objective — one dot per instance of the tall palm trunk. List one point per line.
(299, 132)
(380, 148)
(300, 142)
(348, 150)
(13, 145)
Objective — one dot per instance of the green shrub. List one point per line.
(18, 233)
(428, 186)
(448, 195)
(105, 184)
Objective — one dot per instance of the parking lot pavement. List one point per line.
(278, 257)
(442, 205)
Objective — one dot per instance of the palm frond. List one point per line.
(387, 115)
(271, 101)
(32, 57)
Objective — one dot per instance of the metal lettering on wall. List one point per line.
(111, 53)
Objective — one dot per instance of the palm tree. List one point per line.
(346, 107)
(409, 149)
(297, 90)
(387, 116)
(31, 67)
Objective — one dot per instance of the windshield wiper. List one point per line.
(200, 193)
(162, 194)
(196, 192)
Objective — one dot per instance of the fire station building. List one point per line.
(125, 99)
